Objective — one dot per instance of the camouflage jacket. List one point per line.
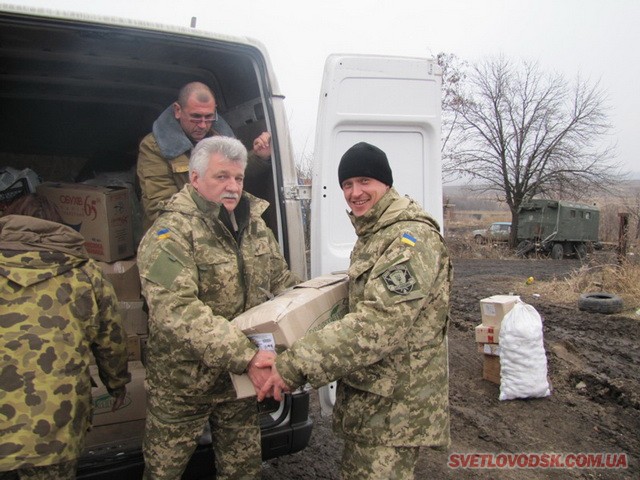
(163, 162)
(55, 309)
(196, 277)
(390, 350)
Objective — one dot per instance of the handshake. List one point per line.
(264, 376)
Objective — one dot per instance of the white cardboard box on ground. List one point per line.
(494, 308)
(289, 316)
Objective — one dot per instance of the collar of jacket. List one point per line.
(189, 202)
(171, 139)
(24, 233)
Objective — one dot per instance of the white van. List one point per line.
(79, 92)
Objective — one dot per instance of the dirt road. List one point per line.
(593, 367)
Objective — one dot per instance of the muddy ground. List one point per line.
(593, 363)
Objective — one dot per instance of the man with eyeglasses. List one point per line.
(163, 158)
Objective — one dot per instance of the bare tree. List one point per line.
(522, 133)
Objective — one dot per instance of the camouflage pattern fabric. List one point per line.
(55, 310)
(365, 462)
(390, 351)
(196, 277)
(58, 471)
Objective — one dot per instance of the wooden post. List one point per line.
(623, 236)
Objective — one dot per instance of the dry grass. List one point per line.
(622, 280)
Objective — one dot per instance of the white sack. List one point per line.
(523, 363)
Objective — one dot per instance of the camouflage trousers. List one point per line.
(169, 442)
(378, 462)
(57, 471)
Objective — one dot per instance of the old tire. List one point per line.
(600, 302)
(581, 250)
(557, 251)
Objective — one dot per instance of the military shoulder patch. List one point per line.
(163, 233)
(398, 279)
(408, 239)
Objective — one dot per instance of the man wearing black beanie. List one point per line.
(389, 353)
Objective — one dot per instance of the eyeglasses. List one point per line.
(198, 119)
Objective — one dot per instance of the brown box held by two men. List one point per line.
(125, 278)
(494, 308)
(487, 334)
(491, 368)
(135, 404)
(279, 322)
(102, 215)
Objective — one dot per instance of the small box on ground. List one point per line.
(491, 368)
(494, 308)
(134, 317)
(489, 349)
(125, 278)
(289, 316)
(487, 334)
(102, 215)
(135, 404)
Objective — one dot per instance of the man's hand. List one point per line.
(259, 368)
(119, 396)
(274, 386)
(262, 146)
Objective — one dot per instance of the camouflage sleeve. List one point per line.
(109, 346)
(169, 278)
(397, 289)
(281, 277)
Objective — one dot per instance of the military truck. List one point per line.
(558, 228)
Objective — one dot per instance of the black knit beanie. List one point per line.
(365, 160)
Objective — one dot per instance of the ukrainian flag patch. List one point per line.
(163, 233)
(408, 239)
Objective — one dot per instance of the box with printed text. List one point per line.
(135, 404)
(102, 215)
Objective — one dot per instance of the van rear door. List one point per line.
(390, 102)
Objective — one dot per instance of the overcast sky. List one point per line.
(595, 38)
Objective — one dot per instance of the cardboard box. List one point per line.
(489, 348)
(125, 278)
(494, 308)
(487, 334)
(102, 215)
(133, 348)
(135, 404)
(282, 320)
(134, 317)
(491, 368)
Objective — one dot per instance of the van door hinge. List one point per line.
(297, 192)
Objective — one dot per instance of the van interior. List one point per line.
(77, 98)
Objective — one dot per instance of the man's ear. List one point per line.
(176, 110)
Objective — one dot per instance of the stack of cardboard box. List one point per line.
(108, 425)
(493, 310)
